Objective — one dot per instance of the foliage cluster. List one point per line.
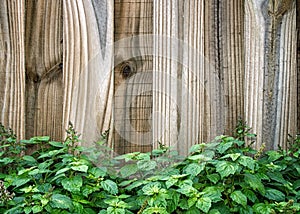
(224, 176)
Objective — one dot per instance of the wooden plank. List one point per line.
(230, 49)
(272, 93)
(211, 70)
(167, 71)
(43, 65)
(298, 63)
(87, 73)
(12, 75)
(132, 76)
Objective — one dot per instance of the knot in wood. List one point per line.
(126, 70)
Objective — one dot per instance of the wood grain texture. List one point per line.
(87, 74)
(12, 66)
(298, 63)
(177, 72)
(230, 49)
(209, 82)
(166, 124)
(43, 65)
(271, 94)
(132, 76)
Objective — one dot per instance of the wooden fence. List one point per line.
(171, 71)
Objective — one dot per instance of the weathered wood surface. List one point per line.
(206, 97)
(132, 75)
(87, 74)
(43, 67)
(12, 66)
(203, 64)
(298, 62)
(271, 86)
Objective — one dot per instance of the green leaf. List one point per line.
(204, 204)
(250, 195)
(61, 201)
(187, 190)
(152, 210)
(29, 159)
(225, 168)
(6, 160)
(136, 184)
(23, 171)
(40, 139)
(233, 157)
(110, 186)
(239, 198)
(56, 144)
(62, 171)
(114, 210)
(273, 155)
(173, 203)
(214, 178)
(78, 208)
(275, 195)
(127, 182)
(20, 181)
(45, 164)
(44, 201)
(247, 162)
(72, 184)
(171, 181)
(200, 157)
(214, 211)
(194, 169)
(128, 169)
(34, 172)
(277, 176)
(262, 208)
(152, 188)
(51, 153)
(146, 165)
(224, 146)
(296, 184)
(239, 142)
(183, 204)
(255, 183)
(247, 210)
(80, 168)
(98, 171)
(87, 190)
(192, 201)
(192, 210)
(37, 209)
(27, 210)
(213, 192)
(196, 148)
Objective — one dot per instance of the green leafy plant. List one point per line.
(224, 176)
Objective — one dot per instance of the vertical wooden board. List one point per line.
(12, 75)
(43, 65)
(287, 83)
(132, 76)
(298, 62)
(230, 50)
(195, 83)
(215, 109)
(193, 110)
(271, 38)
(167, 72)
(87, 73)
(254, 65)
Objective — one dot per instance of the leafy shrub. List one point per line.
(224, 176)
